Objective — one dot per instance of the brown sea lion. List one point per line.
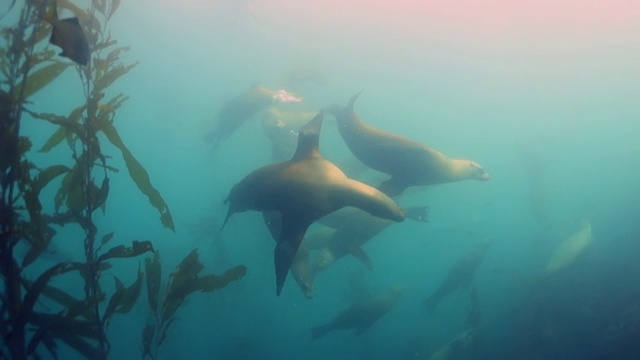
(360, 317)
(354, 228)
(459, 276)
(281, 127)
(408, 162)
(240, 109)
(570, 250)
(302, 190)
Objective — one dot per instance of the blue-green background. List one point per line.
(543, 94)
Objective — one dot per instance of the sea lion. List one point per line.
(360, 317)
(302, 190)
(240, 109)
(459, 276)
(569, 250)
(408, 162)
(354, 228)
(281, 127)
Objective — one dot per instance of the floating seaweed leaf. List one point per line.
(137, 248)
(83, 15)
(154, 276)
(38, 236)
(71, 331)
(114, 6)
(36, 288)
(39, 79)
(81, 345)
(188, 269)
(106, 238)
(63, 131)
(123, 298)
(70, 124)
(101, 6)
(139, 175)
(185, 281)
(147, 339)
(112, 75)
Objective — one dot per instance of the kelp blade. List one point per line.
(139, 175)
(39, 79)
(154, 277)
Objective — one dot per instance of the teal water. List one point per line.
(543, 95)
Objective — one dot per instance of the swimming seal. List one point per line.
(408, 162)
(303, 190)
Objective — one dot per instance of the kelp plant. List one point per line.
(29, 66)
(184, 281)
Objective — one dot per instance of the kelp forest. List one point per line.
(37, 314)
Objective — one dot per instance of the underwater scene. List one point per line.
(319, 179)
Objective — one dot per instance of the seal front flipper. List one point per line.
(393, 187)
(359, 254)
(291, 234)
(273, 220)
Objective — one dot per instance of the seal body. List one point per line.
(408, 162)
(302, 190)
(360, 317)
(238, 110)
(459, 276)
(569, 250)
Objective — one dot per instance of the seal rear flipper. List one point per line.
(358, 253)
(292, 232)
(417, 213)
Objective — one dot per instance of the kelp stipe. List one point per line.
(29, 67)
(26, 68)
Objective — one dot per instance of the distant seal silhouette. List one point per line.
(408, 162)
(361, 316)
(460, 275)
(302, 190)
(238, 110)
(569, 250)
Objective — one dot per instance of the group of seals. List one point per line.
(303, 190)
(294, 194)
